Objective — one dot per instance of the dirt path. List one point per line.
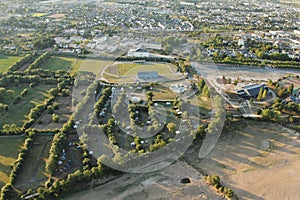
(24, 67)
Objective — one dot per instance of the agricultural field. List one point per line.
(34, 173)
(7, 61)
(18, 112)
(9, 149)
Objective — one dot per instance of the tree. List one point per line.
(281, 92)
(229, 80)
(264, 95)
(259, 97)
(251, 101)
(50, 110)
(291, 119)
(3, 108)
(11, 129)
(55, 118)
(171, 127)
(53, 92)
(291, 88)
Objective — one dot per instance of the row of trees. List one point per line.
(21, 62)
(38, 61)
(262, 94)
(99, 105)
(8, 191)
(73, 182)
(215, 181)
(7, 80)
(58, 143)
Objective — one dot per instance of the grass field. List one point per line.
(94, 66)
(59, 63)
(9, 147)
(7, 61)
(18, 112)
(33, 171)
(73, 64)
(162, 93)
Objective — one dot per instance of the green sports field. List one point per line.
(130, 69)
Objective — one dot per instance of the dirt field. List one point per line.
(258, 161)
(64, 112)
(164, 184)
(33, 172)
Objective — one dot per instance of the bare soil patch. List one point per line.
(258, 160)
(64, 112)
(164, 184)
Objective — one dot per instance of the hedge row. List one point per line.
(38, 61)
(8, 191)
(21, 62)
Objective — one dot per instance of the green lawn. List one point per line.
(9, 150)
(17, 113)
(7, 61)
(59, 63)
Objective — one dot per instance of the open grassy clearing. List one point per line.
(18, 112)
(33, 171)
(7, 61)
(94, 66)
(163, 93)
(9, 150)
(59, 63)
(17, 89)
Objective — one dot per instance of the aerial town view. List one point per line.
(150, 100)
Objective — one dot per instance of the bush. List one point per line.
(55, 118)
(50, 110)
